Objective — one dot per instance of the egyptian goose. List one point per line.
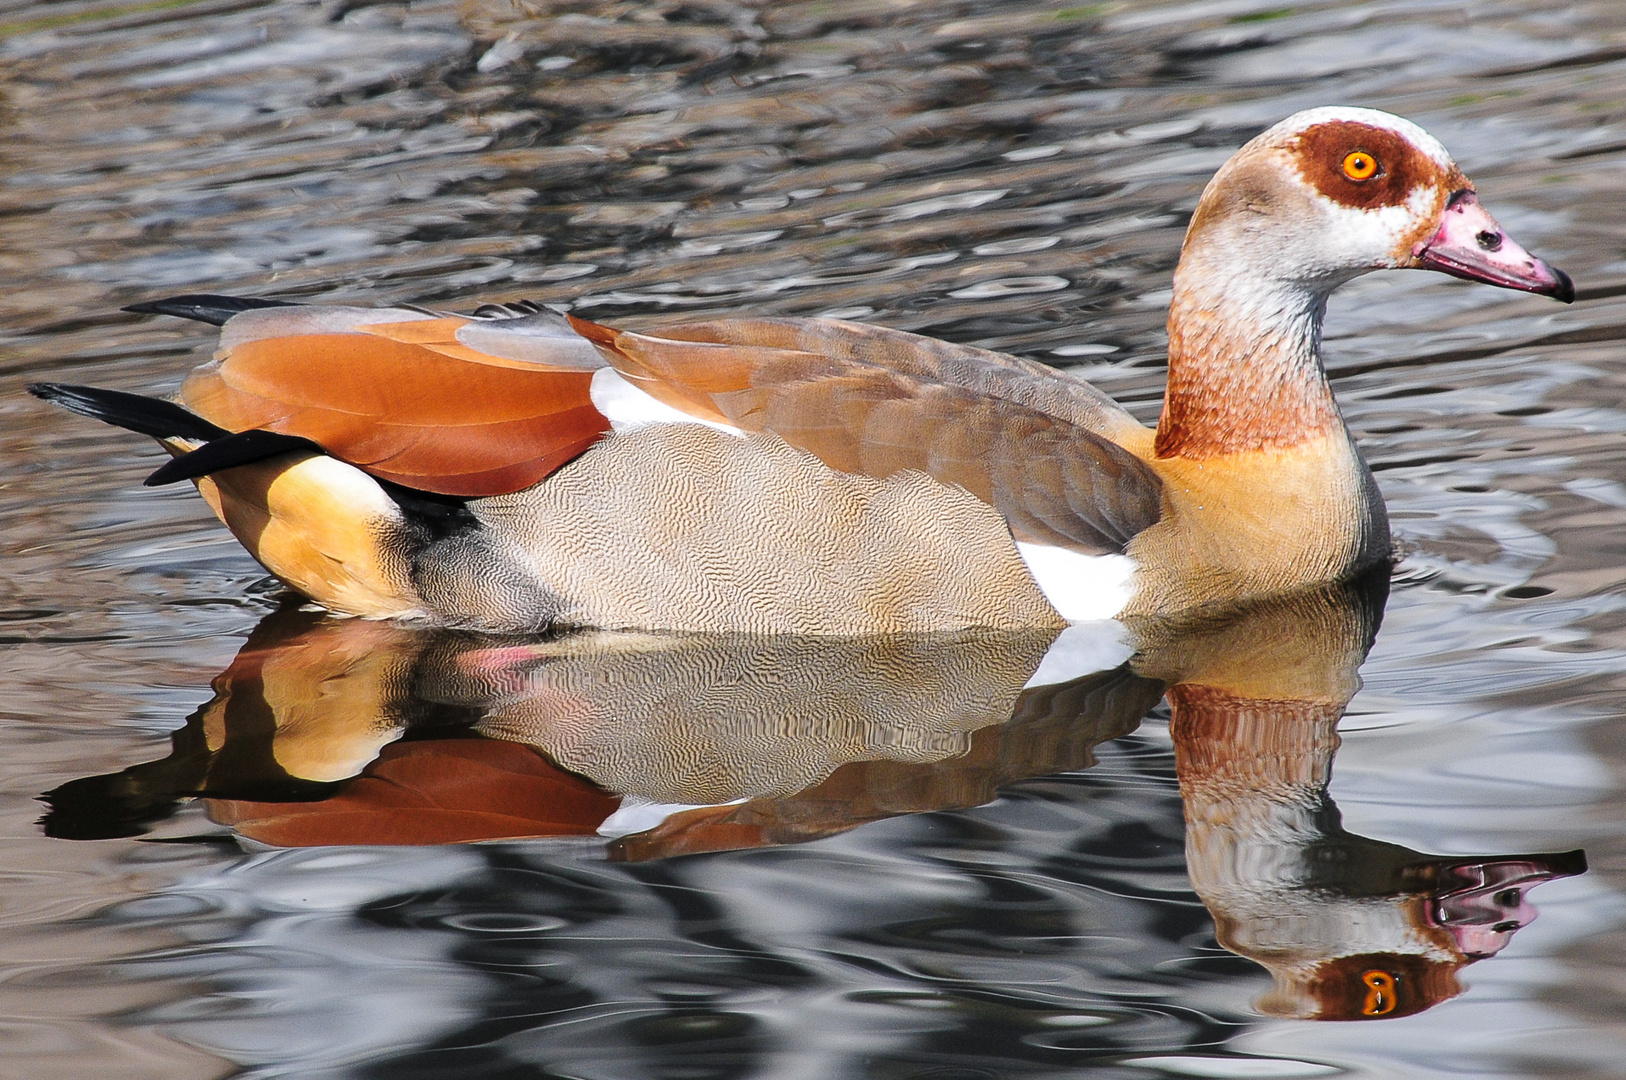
(514, 469)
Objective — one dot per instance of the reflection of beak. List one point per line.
(1481, 904)
(1469, 244)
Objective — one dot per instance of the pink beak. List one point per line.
(1469, 244)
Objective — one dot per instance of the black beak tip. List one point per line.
(1564, 291)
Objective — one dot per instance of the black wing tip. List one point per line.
(84, 400)
(227, 452)
(134, 412)
(162, 419)
(205, 307)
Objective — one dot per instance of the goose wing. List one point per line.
(1030, 442)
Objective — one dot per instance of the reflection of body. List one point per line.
(688, 743)
(739, 740)
(1349, 928)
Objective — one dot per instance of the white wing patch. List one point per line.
(636, 815)
(1083, 649)
(1081, 588)
(627, 407)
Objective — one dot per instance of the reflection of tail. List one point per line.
(130, 802)
(124, 803)
(262, 736)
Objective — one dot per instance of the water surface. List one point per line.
(932, 872)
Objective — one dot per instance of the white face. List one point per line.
(1348, 241)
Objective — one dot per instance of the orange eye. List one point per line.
(1360, 166)
(1381, 998)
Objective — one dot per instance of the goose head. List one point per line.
(1324, 196)
(1332, 193)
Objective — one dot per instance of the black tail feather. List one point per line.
(229, 451)
(223, 449)
(204, 307)
(149, 416)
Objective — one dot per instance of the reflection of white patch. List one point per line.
(635, 815)
(1083, 649)
(626, 407)
(1080, 587)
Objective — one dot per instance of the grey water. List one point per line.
(277, 844)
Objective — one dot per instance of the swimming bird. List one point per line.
(515, 469)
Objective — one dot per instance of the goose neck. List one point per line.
(1244, 366)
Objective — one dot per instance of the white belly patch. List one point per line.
(1081, 588)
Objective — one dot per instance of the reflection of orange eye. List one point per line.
(1381, 998)
(1360, 166)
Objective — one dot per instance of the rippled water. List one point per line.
(932, 873)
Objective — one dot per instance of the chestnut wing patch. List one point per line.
(407, 402)
(1053, 480)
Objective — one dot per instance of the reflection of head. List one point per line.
(1350, 928)
(1367, 986)
(1468, 912)
(1333, 956)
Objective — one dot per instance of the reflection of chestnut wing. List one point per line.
(1024, 439)
(407, 401)
(441, 791)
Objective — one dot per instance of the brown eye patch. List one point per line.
(1372, 986)
(1363, 167)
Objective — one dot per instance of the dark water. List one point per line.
(933, 873)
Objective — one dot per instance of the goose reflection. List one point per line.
(328, 731)
(1349, 928)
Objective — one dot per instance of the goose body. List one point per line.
(516, 469)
